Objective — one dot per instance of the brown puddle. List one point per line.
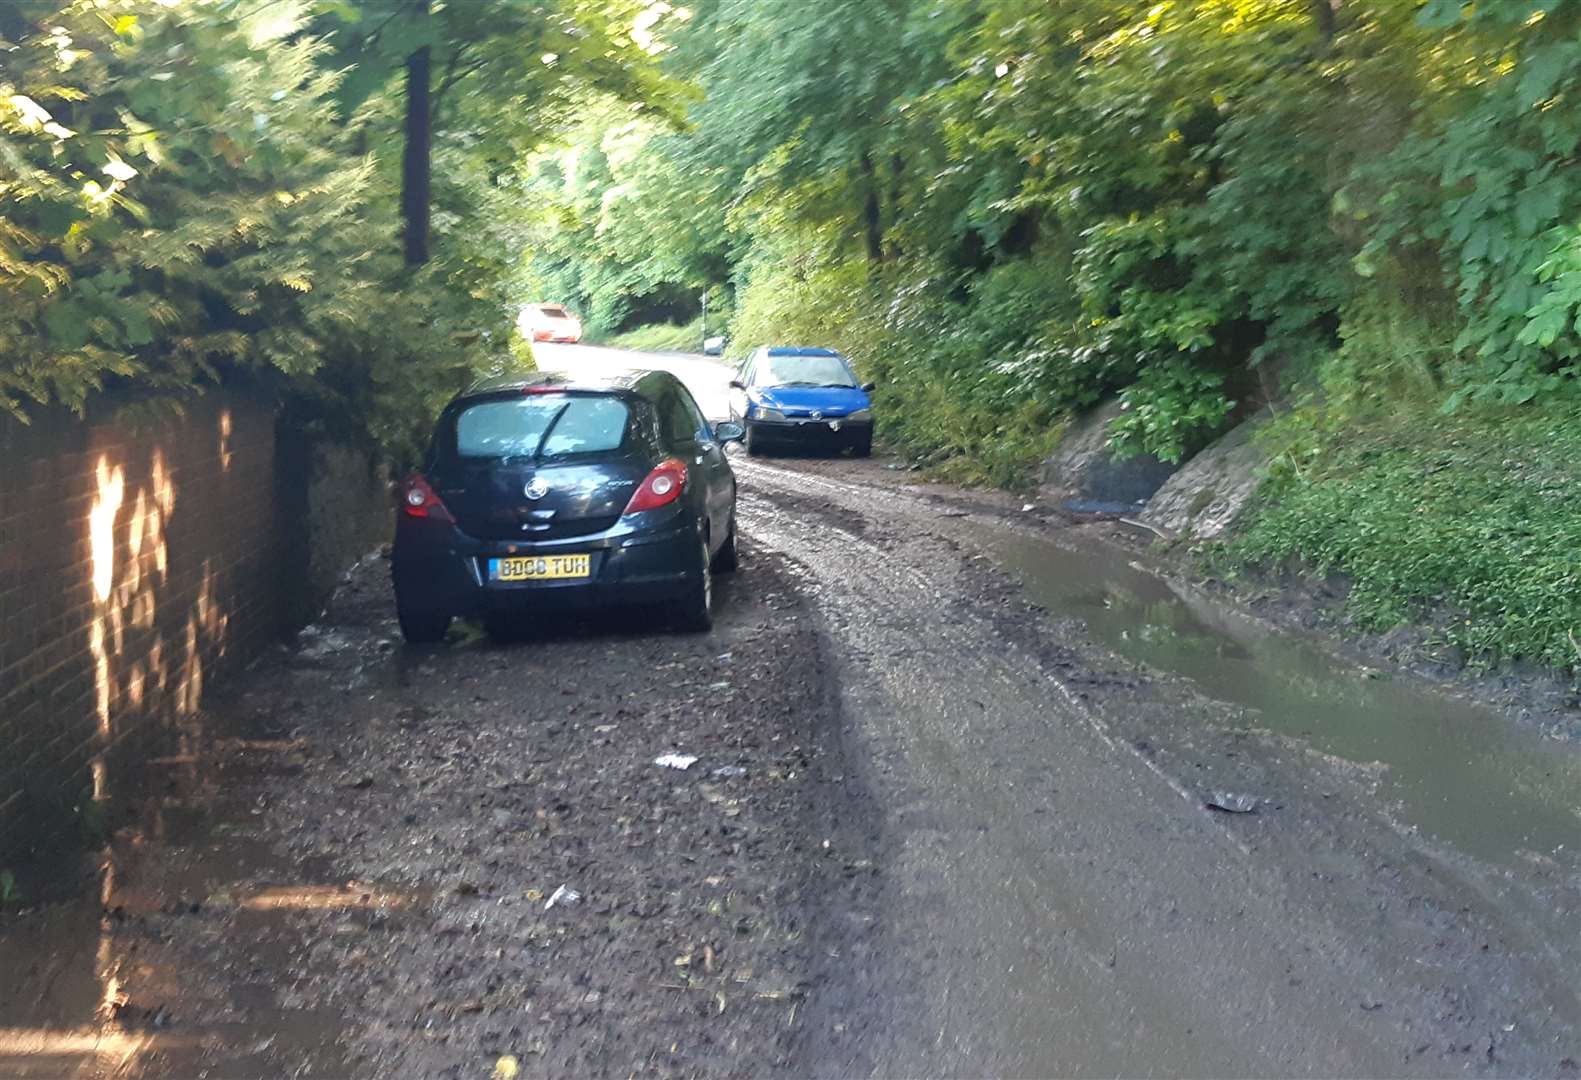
(1461, 774)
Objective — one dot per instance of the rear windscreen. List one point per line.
(541, 425)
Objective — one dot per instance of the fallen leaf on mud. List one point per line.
(676, 761)
(506, 1068)
(534, 895)
(1230, 803)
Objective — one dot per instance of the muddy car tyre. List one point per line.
(862, 445)
(697, 607)
(750, 441)
(422, 627)
(726, 559)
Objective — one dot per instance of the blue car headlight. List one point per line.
(860, 414)
(763, 412)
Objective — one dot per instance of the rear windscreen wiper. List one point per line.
(549, 430)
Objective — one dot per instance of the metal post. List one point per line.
(705, 319)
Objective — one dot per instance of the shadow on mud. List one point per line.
(88, 987)
(527, 627)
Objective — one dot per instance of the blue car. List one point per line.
(800, 398)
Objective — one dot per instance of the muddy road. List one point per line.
(947, 818)
(364, 864)
(1059, 900)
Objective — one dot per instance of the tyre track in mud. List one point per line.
(1052, 904)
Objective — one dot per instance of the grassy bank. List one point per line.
(1468, 526)
(659, 337)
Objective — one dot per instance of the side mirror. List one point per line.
(868, 388)
(737, 384)
(728, 431)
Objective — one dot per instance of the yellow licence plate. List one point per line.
(539, 567)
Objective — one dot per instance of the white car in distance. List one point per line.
(549, 322)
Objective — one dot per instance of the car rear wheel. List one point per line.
(725, 559)
(422, 627)
(697, 606)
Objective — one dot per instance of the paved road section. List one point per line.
(1059, 901)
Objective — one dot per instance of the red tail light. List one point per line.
(418, 500)
(662, 486)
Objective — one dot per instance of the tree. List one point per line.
(532, 61)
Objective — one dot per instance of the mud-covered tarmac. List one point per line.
(354, 876)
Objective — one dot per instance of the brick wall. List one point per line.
(141, 558)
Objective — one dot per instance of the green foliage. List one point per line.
(1486, 185)
(660, 337)
(616, 227)
(1468, 525)
(1167, 410)
(192, 192)
(180, 205)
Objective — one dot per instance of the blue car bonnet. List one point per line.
(802, 400)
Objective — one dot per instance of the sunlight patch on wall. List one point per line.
(225, 440)
(101, 525)
(130, 657)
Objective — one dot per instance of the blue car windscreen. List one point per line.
(805, 371)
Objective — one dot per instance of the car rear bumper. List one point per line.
(442, 570)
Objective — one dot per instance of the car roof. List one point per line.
(628, 380)
(798, 350)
